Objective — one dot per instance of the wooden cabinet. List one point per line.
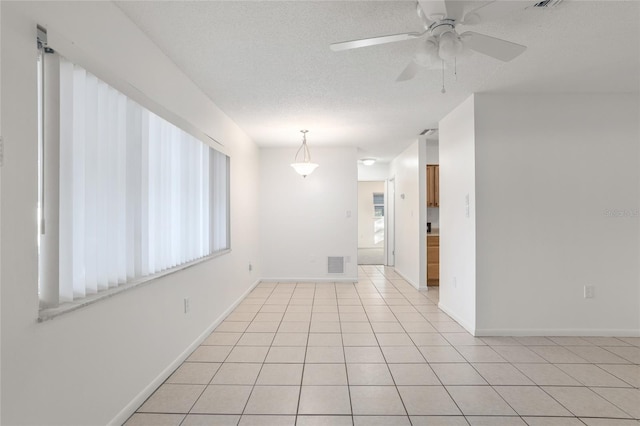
(433, 184)
(433, 260)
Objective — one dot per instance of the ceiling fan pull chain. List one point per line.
(443, 89)
(455, 68)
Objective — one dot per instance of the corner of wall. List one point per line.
(406, 171)
(458, 284)
(552, 199)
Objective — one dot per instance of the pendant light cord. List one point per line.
(305, 149)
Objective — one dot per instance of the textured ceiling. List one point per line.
(267, 64)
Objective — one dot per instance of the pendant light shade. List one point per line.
(304, 167)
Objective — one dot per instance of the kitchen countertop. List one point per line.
(434, 232)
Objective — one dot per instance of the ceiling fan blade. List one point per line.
(409, 72)
(455, 9)
(433, 9)
(440, 9)
(354, 44)
(493, 10)
(495, 47)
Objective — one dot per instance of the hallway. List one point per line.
(379, 352)
(371, 256)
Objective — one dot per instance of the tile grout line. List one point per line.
(395, 385)
(244, 408)
(344, 356)
(304, 359)
(386, 296)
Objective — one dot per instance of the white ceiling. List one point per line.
(267, 64)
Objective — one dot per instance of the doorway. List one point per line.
(371, 223)
(431, 166)
(391, 223)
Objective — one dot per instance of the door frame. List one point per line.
(390, 222)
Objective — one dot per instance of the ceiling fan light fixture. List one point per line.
(427, 51)
(304, 167)
(450, 45)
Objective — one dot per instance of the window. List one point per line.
(378, 204)
(378, 213)
(126, 195)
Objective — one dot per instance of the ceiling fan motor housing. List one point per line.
(437, 28)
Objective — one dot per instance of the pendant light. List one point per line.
(304, 167)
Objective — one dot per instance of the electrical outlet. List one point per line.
(589, 292)
(187, 305)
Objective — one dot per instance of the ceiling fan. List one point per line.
(440, 42)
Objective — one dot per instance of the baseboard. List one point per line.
(406, 279)
(464, 324)
(586, 332)
(130, 408)
(311, 280)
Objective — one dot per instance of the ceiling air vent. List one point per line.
(335, 264)
(428, 132)
(548, 3)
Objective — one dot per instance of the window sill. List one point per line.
(46, 314)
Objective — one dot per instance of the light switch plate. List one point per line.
(589, 292)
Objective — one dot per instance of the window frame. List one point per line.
(377, 207)
(49, 312)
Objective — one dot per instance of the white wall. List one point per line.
(457, 229)
(305, 220)
(549, 168)
(374, 172)
(556, 181)
(366, 213)
(94, 365)
(408, 232)
(433, 156)
(0, 216)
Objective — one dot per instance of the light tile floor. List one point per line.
(379, 352)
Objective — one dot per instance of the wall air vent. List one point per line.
(548, 3)
(335, 264)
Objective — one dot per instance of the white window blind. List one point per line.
(137, 195)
